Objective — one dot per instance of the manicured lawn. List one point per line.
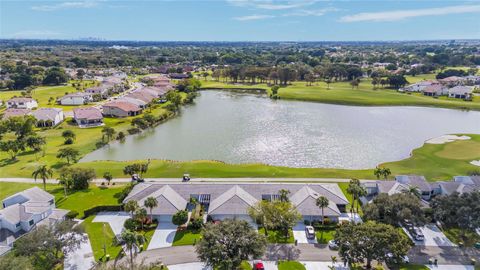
(148, 232)
(245, 266)
(290, 265)
(468, 238)
(186, 237)
(413, 267)
(100, 235)
(324, 234)
(440, 161)
(85, 199)
(275, 236)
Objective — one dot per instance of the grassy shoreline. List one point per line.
(341, 93)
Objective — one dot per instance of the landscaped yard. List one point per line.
(325, 234)
(290, 265)
(344, 186)
(276, 236)
(468, 238)
(186, 237)
(101, 234)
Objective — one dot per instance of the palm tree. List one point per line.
(378, 172)
(108, 132)
(284, 194)
(131, 206)
(140, 215)
(414, 191)
(132, 240)
(44, 173)
(386, 172)
(353, 189)
(334, 260)
(322, 202)
(150, 203)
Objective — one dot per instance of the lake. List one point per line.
(247, 128)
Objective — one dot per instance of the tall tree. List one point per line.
(68, 153)
(44, 173)
(369, 241)
(132, 241)
(225, 245)
(131, 207)
(393, 209)
(322, 202)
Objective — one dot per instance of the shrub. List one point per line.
(132, 131)
(180, 217)
(68, 141)
(124, 193)
(131, 224)
(100, 144)
(72, 214)
(195, 224)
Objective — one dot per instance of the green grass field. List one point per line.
(186, 237)
(99, 236)
(342, 93)
(290, 265)
(324, 235)
(277, 237)
(457, 236)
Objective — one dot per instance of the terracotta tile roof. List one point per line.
(123, 105)
(87, 113)
(15, 112)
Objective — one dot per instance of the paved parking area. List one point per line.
(163, 236)
(300, 236)
(434, 237)
(81, 258)
(114, 219)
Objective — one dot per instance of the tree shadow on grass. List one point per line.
(7, 161)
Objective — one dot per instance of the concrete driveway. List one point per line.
(114, 219)
(450, 267)
(300, 236)
(323, 266)
(434, 237)
(81, 258)
(163, 236)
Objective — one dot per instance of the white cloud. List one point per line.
(314, 12)
(66, 5)
(271, 5)
(253, 17)
(35, 34)
(396, 15)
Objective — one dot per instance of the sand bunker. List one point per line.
(475, 162)
(447, 138)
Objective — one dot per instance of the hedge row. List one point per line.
(100, 208)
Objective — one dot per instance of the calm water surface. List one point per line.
(245, 128)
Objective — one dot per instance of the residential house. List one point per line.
(460, 184)
(78, 98)
(460, 91)
(120, 108)
(435, 90)
(232, 201)
(22, 103)
(15, 113)
(452, 81)
(140, 103)
(142, 95)
(178, 76)
(419, 86)
(101, 91)
(48, 117)
(418, 182)
(23, 210)
(88, 117)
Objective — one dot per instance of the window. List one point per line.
(30, 222)
(17, 225)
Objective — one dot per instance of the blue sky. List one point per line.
(241, 20)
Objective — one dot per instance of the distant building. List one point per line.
(178, 76)
(460, 91)
(435, 90)
(22, 103)
(121, 109)
(88, 117)
(419, 86)
(78, 98)
(48, 117)
(15, 112)
(98, 90)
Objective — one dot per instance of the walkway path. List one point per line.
(179, 180)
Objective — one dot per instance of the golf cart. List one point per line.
(186, 177)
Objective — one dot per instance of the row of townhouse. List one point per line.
(453, 87)
(108, 86)
(46, 117)
(232, 201)
(24, 210)
(427, 190)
